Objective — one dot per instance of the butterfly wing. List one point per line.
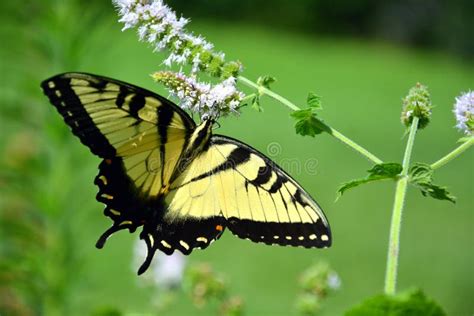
(139, 134)
(232, 185)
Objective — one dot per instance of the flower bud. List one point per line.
(417, 104)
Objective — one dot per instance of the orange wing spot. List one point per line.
(219, 228)
(108, 161)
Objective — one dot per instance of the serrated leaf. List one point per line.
(421, 176)
(306, 123)
(308, 127)
(387, 169)
(302, 114)
(420, 172)
(436, 192)
(383, 171)
(352, 184)
(314, 101)
(266, 81)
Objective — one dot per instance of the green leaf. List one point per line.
(387, 169)
(302, 114)
(306, 123)
(308, 127)
(383, 171)
(248, 100)
(465, 139)
(266, 81)
(421, 176)
(256, 104)
(252, 100)
(314, 101)
(407, 304)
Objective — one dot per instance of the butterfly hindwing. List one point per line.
(255, 198)
(184, 236)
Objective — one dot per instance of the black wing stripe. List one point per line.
(165, 115)
(94, 139)
(237, 157)
(272, 233)
(124, 91)
(136, 104)
(263, 176)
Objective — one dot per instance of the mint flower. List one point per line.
(417, 103)
(158, 25)
(464, 112)
(202, 98)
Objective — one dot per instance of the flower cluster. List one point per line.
(464, 112)
(417, 104)
(158, 25)
(203, 98)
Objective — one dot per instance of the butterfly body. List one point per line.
(178, 182)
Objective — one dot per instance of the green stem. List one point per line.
(338, 135)
(400, 193)
(456, 152)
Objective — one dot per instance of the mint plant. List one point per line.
(221, 95)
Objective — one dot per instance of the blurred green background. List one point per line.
(361, 57)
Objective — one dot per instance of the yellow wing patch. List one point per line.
(258, 199)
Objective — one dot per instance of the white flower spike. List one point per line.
(158, 25)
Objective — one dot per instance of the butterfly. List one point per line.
(177, 181)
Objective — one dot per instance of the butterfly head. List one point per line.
(201, 135)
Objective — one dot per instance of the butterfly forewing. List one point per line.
(139, 134)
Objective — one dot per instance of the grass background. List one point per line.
(50, 220)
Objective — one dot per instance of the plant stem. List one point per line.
(456, 152)
(338, 135)
(400, 193)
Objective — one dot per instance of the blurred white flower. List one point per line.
(334, 281)
(165, 272)
(464, 112)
